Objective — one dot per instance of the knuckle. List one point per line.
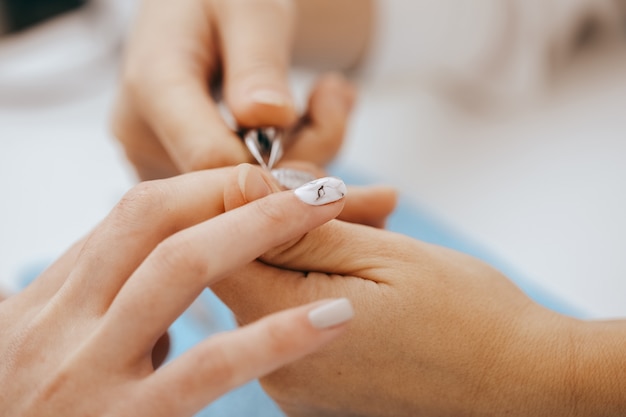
(142, 80)
(280, 337)
(143, 203)
(217, 363)
(178, 258)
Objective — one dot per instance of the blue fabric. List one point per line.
(209, 315)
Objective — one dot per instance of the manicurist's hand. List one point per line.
(86, 338)
(166, 116)
(437, 333)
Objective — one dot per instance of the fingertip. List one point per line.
(322, 191)
(329, 108)
(247, 183)
(257, 61)
(253, 185)
(263, 106)
(389, 195)
(371, 205)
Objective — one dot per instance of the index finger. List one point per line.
(172, 57)
(177, 271)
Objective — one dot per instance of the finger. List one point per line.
(141, 145)
(369, 205)
(147, 214)
(336, 247)
(318, 140)
(183, 265)
(343, 248)
(190, 127)
(228, 360)
(259, 289)
(256, 41)
(51, 279)
(172, 57)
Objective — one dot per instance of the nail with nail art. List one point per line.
(321, 191)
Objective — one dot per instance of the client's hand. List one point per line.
(86, 337)
(166, 117)
(437, 333)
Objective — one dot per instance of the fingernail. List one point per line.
(252, 184)
(271, 98)
(292, 178)
(321, 191)
(331, 314)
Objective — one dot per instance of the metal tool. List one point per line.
(265, 145)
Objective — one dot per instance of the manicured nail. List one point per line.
(271, 98)
(252, 184)
(322, 191)
(331, 314)
(292, 178)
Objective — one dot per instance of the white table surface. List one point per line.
(541, 187)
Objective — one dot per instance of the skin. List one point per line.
(88, 335)
(166, 116)
(168, 121)
(438, 333)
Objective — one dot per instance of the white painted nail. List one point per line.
(271, 98)
(322, 191)
(331, 314)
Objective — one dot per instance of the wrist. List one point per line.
(558, 366)
(599, 369)
(531, 372)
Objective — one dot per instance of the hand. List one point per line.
(437, 333)
(166, 117)
(370, 205)
(85, 336)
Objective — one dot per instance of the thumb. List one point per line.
(347, 249)
(256, 41)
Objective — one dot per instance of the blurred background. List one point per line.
(523, 156)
